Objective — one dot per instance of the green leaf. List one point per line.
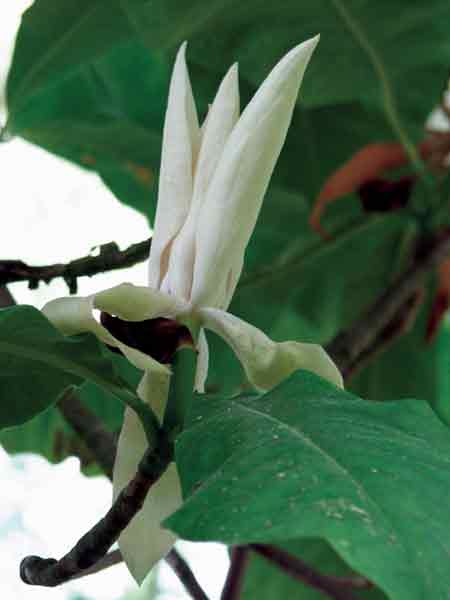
(309, 460)
(72, 61)
(56, 39)
(366, 50)
(37, 364)
(101, 118)
(266, 581)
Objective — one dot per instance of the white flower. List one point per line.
(212, 183)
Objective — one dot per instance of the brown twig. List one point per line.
(103, 447)
(401, 323)
(235, 577)
(333, 587)
(353, 345)
(90, 429)
(109, 258)
(94, 545)
(109, 560)
(6, 298)
(185, 575)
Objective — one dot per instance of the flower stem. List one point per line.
(181, 389)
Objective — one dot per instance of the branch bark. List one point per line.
(94, 545)
(354, 345)
(103, 447)
(235, 577)
(109, 560)
(90, 429)
(185, 575)
(6, 298)
(109, 258)
(332, 587)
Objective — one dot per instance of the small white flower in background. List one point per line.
(212, 182)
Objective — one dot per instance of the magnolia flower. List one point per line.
(212, 182)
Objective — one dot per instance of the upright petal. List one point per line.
(179, 151)
(234, 197)
(222, 117)
(267, 363)
(231, 283)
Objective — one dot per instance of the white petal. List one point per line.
(231, 283)
(267, 363)
(235, 195)
(153, 389)
(137, 303)
(221, 119)
(144, 541)
(74, 315)
(202, 363)
(179, 151)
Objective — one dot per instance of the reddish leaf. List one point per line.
(368, 163)
(382, 195)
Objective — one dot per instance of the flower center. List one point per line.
(159, 338)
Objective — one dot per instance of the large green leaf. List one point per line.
(368, 51)
(309, 460)
(37, 363)
(55, 39)
(266, 581)
(353, 91)
(106, 116)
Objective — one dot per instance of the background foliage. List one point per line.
(89, 82)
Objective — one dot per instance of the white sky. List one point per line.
(54, 212)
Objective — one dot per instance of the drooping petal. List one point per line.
(222, 117)
(267, 363)
(234, 197)
(179, 152)
(137, 303)
(144, 541)
(202, 363)
(74, 315)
